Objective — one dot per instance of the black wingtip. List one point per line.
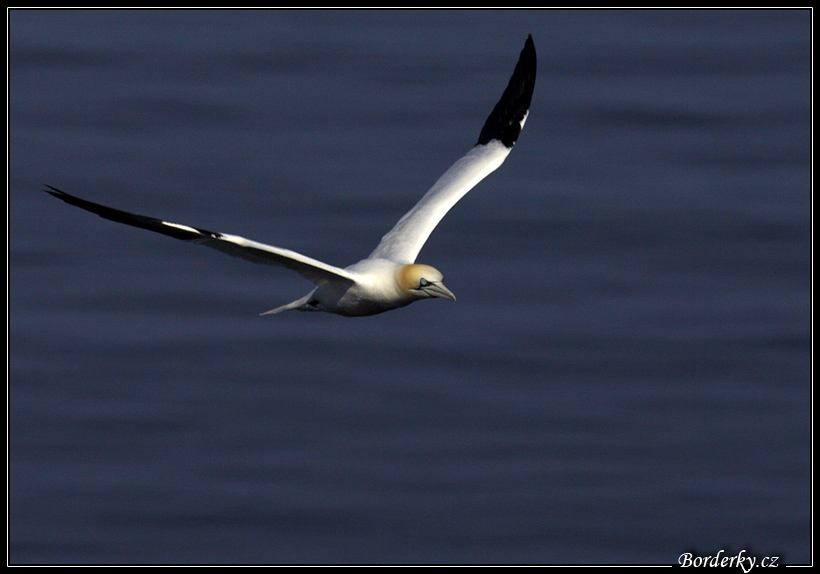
(506, 120)
(132, 219)
(70, 199)
(54, 191)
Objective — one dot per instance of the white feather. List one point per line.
(403, 243)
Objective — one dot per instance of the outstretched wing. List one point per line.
(498, 136)
(311, 269)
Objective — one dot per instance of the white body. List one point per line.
(378, 287)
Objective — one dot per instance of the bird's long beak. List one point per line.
(439, 290)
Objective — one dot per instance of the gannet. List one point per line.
(390, 277)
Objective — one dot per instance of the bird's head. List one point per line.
(423, 281)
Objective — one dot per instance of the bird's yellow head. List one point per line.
(422, 281)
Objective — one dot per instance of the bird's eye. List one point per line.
(423, 283)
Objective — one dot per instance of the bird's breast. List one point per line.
(374, 291)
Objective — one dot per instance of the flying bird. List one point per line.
(389, 278)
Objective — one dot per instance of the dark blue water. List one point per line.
(626, 375)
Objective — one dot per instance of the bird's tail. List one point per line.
(303, 304)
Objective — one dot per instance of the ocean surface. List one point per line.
(625, 377)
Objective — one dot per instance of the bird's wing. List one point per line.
(498, 136)
(309, 268)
